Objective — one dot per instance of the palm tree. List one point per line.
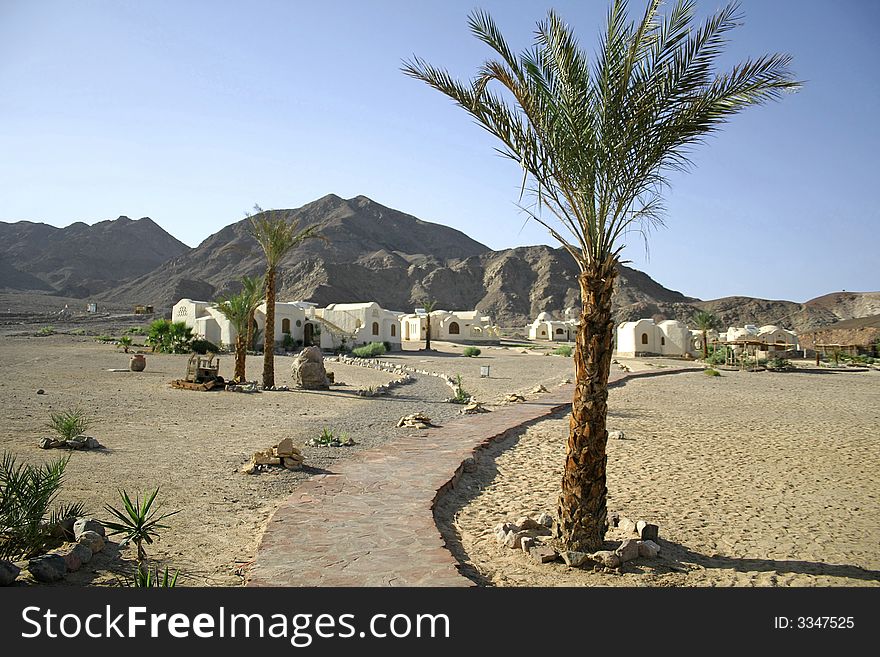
(595, 141)
(428, 305)
(705, 322)
(237, 308)
(253, 288)
(276, 237)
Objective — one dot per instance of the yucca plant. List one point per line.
(138, 521)
(69, 423)
(125, 342)
(26, 494)
(144, 578)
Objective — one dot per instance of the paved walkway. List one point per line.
(371, 522)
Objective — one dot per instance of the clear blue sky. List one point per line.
(191, 112)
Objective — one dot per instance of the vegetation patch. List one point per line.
(563, 350)
(471, 352)
(370, 350)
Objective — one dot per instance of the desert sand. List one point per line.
(756, 479)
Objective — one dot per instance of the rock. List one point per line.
(415, 421)
(71, 558)
(40, 391)
(8, 572)
(285, 448)
(76, 443)
(87, 525)
(628, 550)
(526, 543)
(626, 525)
(308, 370)
(543, 554)
(538, 390)
(512, 539)
(574, 559)
(291, 463)
(607, 558)
(249, 468)
(93, 540)
(83, 551)
(647, 531)
(50, 443)
(527, 523)
(648, 549)
(546, 520)
(501, 533)
(613, 519)
(615, 435)
(48, 567)
(92, 443)
(513, 398)
(266, 457)
(473, 408)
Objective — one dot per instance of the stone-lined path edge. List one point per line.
(371, 521)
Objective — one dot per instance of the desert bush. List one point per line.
(562, 350)
(170, 337)
(471, 352)
(26, 495)
(717, 356)
(69, 423)
(779, 364)
(144, 578)
(370, 350)
(288, 342)
(201, 346)
(461, 395)
(46, 331)
(104, 338)
(138, 330)
(711, 372)
(137, 521)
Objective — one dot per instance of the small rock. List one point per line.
(92, 443)
(84, 552)
(75, 443)
(48, 567)
(543, 554)
(546, 520)
(266, 457)
(501, 533)
(514, 399)
(71, 558)
(626, 525)
(64, 529)
(249, 468)
(538, 390)
(87, 525)
(607, 558)
(615, 435)
(526, 543)
(628, 550)
(527, 523)
(50, 443)
(40, 391)
(574, 559)
(93, 540)
(473, 408)
(8, 572)
(647, 531)
(291, 463)
(648, 549)
(613, 519)
(285, 448)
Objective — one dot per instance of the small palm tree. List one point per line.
(125, 342)
(705, 322)
(595, 141)
(277, 237)
(137, 521)
(237, 309)
(253, 288)
(428, 305)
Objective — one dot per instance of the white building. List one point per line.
(644, 337)
(358, 324)
(546, 327)
(463, 326)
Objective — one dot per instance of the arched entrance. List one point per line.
(308, 334)
(453, 328)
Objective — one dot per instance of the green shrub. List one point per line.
(79, 331)
(471, 352)
(387, 346)
(201, 346)
(137, 521)
(779, 365)
(717, 356)
(170, 337)
(26, 493)
(288, 343)
(138, 330)
(562, 350)
(46, 331)
(461, 395)
(369, 351)
(69, 423)
(104, 338)
(711, 372)
(144, 578)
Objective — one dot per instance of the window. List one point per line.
(453, 328)
(393, 330)
(375, 328)
(298, 323)
(644, 338)
(662, 341)
(285, 325)
(559, 331)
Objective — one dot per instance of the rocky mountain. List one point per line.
(81, 260)
(371, 252)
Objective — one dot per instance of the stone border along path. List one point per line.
(371, 522)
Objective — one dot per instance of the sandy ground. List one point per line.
(193, 444)
(756, 479)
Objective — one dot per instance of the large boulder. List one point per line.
(308, 370)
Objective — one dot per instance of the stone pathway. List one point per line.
(371, 521)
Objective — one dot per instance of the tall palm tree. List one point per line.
(705, 322)
(595, 141)
(277, 237)
(237, 308)
(252, 287)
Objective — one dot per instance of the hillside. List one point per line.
(81, 260)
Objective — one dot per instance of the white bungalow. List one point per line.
(463, 326)
(358, 324)
(644, 337)
(545, 327)
(774, 337)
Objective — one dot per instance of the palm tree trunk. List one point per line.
(705, 346)
(428, 334)
(582, 514)
(250, 332)
(240, 355)
(269, 332)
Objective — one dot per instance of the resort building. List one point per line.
(546, 327)
(645, 337)
(765, 339)
(358, 324)
(463, 326)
